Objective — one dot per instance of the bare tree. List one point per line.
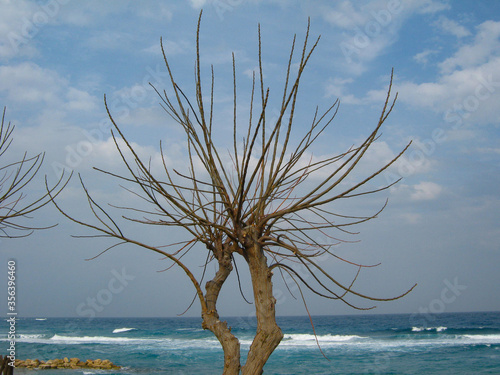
(14, 180)
(256, 207)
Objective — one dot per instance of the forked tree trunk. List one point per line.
(268, 335)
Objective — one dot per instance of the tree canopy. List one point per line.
(262, 201)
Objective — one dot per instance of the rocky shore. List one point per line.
(66, 363)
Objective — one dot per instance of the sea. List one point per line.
(447, 343)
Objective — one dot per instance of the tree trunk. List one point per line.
(268, 335)
(229, 342)
(5, 369)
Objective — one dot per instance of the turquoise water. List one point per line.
(464, 343)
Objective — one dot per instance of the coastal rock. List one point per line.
(65, 363)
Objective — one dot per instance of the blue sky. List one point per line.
(440, 230)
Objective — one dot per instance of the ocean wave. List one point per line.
(28, 336)
(169, 343)
(420, 329)
(302, 339)
(289, 342)
(483, 339)
(120, 330)
(94, 339)
(40, 319)
(143, 342)
(190, 330)
(415, 341)
(396, 342)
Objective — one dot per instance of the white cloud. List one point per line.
(92, 12)
(335, 88)
(111, 40)
(380, 154)
(22, 21)
(250, 72)
(171, 47)
(429, 6)
(412, 163)
(160, 11)
(490, 150)
(86, 152)
(467, 90)
(423, 57)
(345, 15)
(370, 28)
(29, 83)
(452, 27)
(411, 218)
(150, 117)
(224, 56)
(460, 135)
(462, 96)
(426, 191)
(428, 94)
(349, 14)
(485, 45)
(18, 27)
(197, 4)
(81, 100)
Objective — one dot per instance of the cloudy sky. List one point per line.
(440, 229)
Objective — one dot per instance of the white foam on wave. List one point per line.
(120, 330)
(168, 343)
(190, 329)
(420, 329)
(33, 336)
(289, 342)
(93, 340)
(374, 343)
(165, 342)
(483, 339)
(444, 340)
(41, 319)
(302, 339)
